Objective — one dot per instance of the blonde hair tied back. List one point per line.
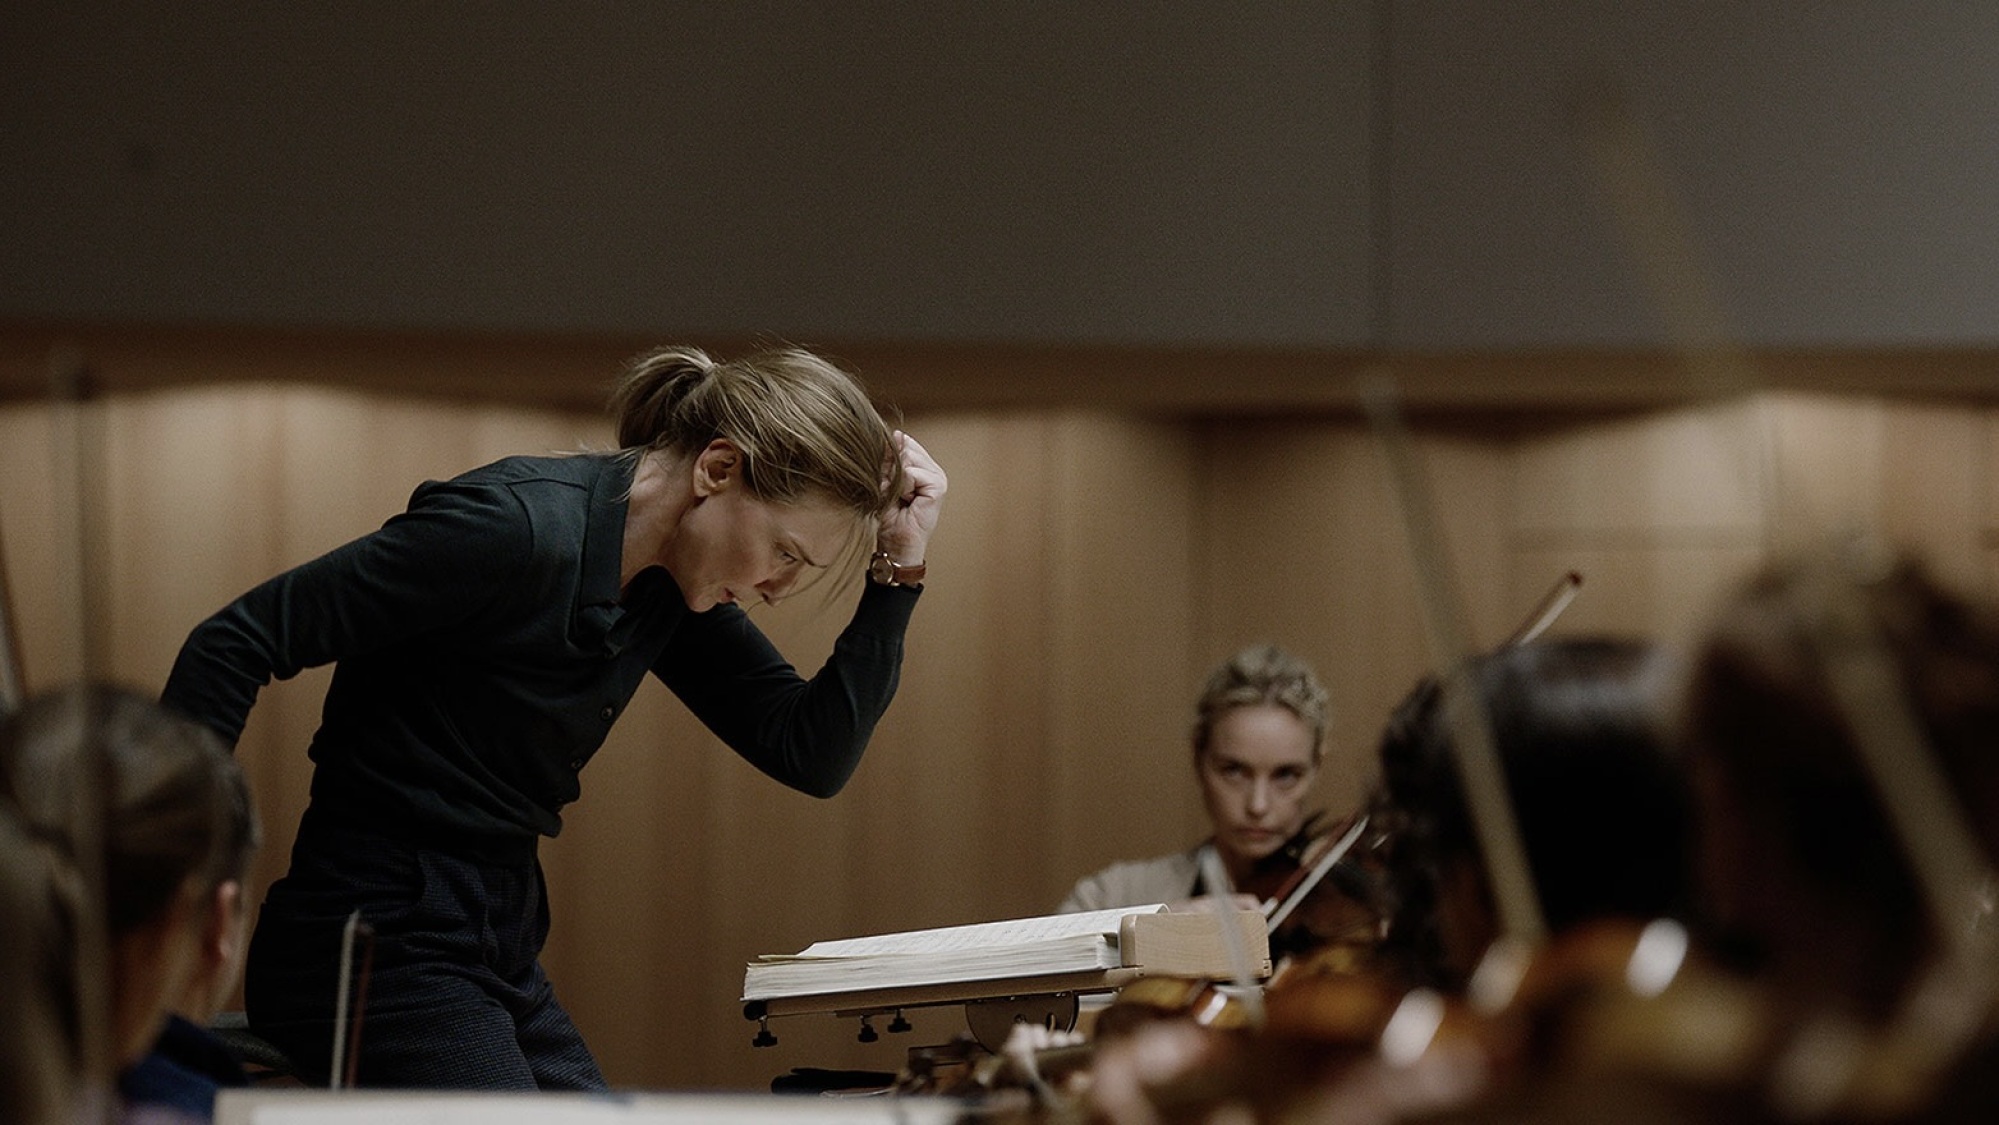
(1262, 675)
(804, 426)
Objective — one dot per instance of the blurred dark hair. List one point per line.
(102, 766)
(1763, 723)
(42, 1058)
(1603, 807)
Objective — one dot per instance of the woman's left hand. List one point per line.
(908, 522)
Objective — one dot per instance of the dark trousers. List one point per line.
(456, 997)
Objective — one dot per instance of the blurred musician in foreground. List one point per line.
(1258, 739)
(1601, 801)
(147, 817)
(1872, 1010)
(42, 1068)
(1844, 962)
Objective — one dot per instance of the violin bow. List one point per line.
(1521, 921)
(1276, 912)
(346, 1033)
(1216, 874)
(1953, 877)
(13, 690)
(1543, 615)
(1546, 610)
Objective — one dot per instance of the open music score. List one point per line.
(1096, 951)
(417, 1107)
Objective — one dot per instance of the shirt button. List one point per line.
(576, 763)
(608, 713)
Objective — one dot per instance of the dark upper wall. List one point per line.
(1836, 162)
(1174, 172)
(1338, 174)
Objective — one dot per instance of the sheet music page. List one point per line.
(979, 935)
(355, 1107)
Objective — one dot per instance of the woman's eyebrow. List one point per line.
(798, 548)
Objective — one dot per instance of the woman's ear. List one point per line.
(717, 467)
(222, 929)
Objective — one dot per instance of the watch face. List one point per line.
(881, 568)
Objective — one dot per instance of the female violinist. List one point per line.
(1258, 740)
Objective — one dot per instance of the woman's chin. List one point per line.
(1251, 848)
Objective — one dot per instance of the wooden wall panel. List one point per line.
(1303, 543)
(40, 546)
(958, 765)
(1827, 474)
(1120, 651)
(1695, 470)
(1090, 568)
(1660, 515)
(1936, 487)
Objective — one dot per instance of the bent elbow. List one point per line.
(824, 788)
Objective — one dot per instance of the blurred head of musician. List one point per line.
(41, 1057)
(151, 811)
(1805, 875)
(1258, 736)
(1602, 805)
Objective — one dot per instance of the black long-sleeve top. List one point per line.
(483, 650)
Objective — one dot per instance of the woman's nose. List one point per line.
(777, 585)
(1259, 795)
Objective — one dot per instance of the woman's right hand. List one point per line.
(907, 524)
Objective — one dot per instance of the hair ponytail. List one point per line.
(649, 397)
(804, 426)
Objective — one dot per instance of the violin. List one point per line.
(1323, 893)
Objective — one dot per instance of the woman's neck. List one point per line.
(652, 511)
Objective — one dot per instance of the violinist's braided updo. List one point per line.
(43, 1062)
(804, 426)
(1262, 675)
(150, 808)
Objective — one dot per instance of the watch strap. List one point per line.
(886, 571)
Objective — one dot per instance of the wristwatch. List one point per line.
(888, 572)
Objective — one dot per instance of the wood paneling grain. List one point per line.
(1120, 585)
(1304, 544)
(1679, 470)
(1091, 566)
